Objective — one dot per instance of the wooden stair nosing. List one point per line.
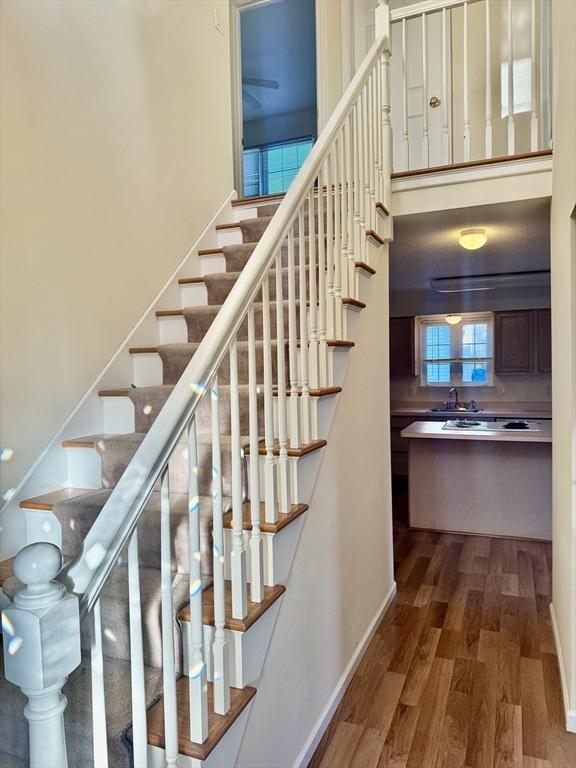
(190, 280)
(382, 208)
(354, 302)
(217, 724)
(472, 164)
(375, 236)
(231, 225)
(209, 251)
(247, 201)
(143, 350)
(284, 518)
(303, 450)
(365, 267)
(254, 610)
(46, 501)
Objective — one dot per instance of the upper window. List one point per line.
(271, 168)
(522, 86)
(458, 354)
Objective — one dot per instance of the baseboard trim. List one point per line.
(323, 721)
(569, 714)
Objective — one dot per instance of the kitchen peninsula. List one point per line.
(488, 478)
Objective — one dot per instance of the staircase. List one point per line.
(178, 545)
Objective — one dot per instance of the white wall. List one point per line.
(292, 125)
(563, 233)
(343, 567)
(116, 150)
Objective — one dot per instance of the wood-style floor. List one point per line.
(462, 671)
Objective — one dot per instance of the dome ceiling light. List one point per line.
(453, 318)
(472, 239)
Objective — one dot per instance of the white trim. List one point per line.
(15, 497)
(569, 714)
(323, 721)
(475, 173)
(347, 40)
(321, 49)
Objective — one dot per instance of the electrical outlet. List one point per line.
(502, 389)
(218, 23)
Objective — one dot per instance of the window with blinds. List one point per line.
(521, 86)
(459, 354)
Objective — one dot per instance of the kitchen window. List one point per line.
(456, 355)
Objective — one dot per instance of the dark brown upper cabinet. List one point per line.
(522, 341)
(544, 337)
(402, 352)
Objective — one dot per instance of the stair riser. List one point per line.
(252, 230)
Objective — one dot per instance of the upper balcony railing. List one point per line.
(470, 80)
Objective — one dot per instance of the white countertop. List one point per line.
(434, 429)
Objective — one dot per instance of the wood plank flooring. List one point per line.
(462, 671)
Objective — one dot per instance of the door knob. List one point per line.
(434, 102)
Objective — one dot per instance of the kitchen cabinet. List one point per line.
(544, 338)
(402, 352)
(522, 341)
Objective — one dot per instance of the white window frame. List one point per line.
(456, 333)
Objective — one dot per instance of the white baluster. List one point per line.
(350, 137)
(41, 633)
(337, 253)
(466, 89)
(303, 381)
(425, 132)
(283, 483)
(380, 134)
(330, 321)
(534, 117)
(168, 657)
(359, 240)
(256, 541)
(445, 124)
(322, 347)
(344, 291)
(99, 728)
(405, 142)
(313, 282)
(220, 645)
(387, 135)
(293, 344)
(270, 508)
(371, 145)
(139, 728)
(366, 158)
(361, 190)
(488, 55)
(238, 555)
(510, 82)
(198, 702)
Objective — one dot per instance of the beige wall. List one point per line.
(328, 15)
(116, 150)
(563, 232)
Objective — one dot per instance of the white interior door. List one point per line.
(432, 102)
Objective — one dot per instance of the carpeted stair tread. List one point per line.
(219, 285)
(199, 319)
(175, 358)
(149, 401)
(237, 255)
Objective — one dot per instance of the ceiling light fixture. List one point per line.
(453, 318)
(472, 239)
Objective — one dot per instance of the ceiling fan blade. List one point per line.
(258, 82)
(250, 99)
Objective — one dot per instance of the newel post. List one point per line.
(41, 648)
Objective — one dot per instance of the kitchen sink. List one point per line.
(461, 409)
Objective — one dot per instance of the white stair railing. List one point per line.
(327, 214)
(451, 72)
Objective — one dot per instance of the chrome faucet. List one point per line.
(454, 392)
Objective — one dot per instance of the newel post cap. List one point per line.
(42, 629)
